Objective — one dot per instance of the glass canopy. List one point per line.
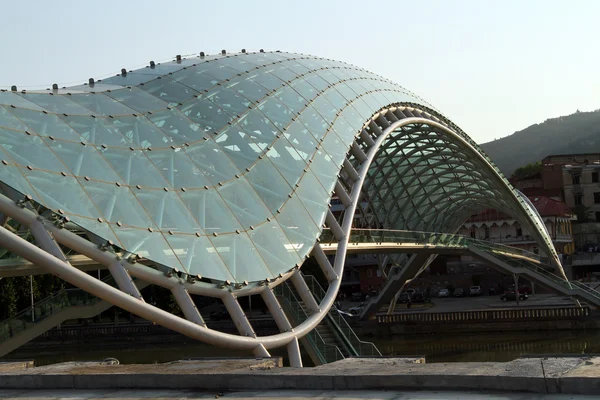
(221, 166)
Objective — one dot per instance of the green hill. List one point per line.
(575, 133)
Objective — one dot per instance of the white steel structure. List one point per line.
(212, 175)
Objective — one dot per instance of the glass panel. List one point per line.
(131, 79)
(335, 98)
(179, 128)
(168, 211)
(135, 168)
(314, 197)
(274, 247)
(137, 99)
(212, 161)
(13, 99)
(258, 126)
(83, 160)
(302, 140)
(316, 81)
(325, 108)
(269, 184)
(8, 120)
(60, 192)
(242, 257)
(265, 79)
(276, 112)
(239, 147)
(294, 66)
(282, 72)
(178, 169)
(57, 104)
(169, 90)
(315, 123)
(29, 150)
(196, 78)
(206, 114)
(46, 124)
(117, 204)
(101, 104)
(11, 175)
(244, 202)
(325, 170)
(334, 146)
(152, 245)
(229, 100)
(210, 210)
(287, 160)
(247, 88)
(304, 88)
(298, 226)
(292, 99)
(240, 63)
(198, 256)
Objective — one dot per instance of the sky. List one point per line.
(493, 67)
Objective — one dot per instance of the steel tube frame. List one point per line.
(258, 344)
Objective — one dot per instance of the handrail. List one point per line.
(314, 337)
(365, 235)
(364, 348)
(47, 307)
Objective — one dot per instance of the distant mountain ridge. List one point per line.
(575, 133)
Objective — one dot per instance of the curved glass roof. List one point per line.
(221, 166)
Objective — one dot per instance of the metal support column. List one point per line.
(516, 279)
(124, 281)
(294, 354)
(332, 223)
(342, 194)
(237, 315)
(349, 169)
(284, 326)
(187, 305)
(358, 153)
(304, 292)
(324, 263)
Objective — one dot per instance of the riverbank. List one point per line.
(572, 375)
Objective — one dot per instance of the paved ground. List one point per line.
(264, 377)
(277, 395)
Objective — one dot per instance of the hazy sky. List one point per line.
(491, 66)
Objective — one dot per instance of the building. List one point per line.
(498, 227)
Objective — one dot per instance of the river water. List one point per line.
(436, 348)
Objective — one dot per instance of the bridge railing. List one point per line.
(326, 352)
(47, 307)
(362, 348)
(487, 315)
(424, 238)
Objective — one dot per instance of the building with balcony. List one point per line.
(500, 228)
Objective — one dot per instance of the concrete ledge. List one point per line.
(535, 375)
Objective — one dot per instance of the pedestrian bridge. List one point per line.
(422, 247)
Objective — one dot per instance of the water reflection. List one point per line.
(490, 346)
(436, 348)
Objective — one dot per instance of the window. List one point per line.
(596, 197)
(519, 232)
(369, 273)
(578, 199)
(594, 177)
(473, 233)
(487, 232)
(597, 216)
(576, 179)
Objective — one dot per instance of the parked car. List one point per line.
(525, 289)
(403, 298)
(510, 295)
(459, 292)
(443, 293)
(418, 297)
(475, 291)
(356, 309)
(357, 296)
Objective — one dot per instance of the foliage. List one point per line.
(575, 133)
(527, 171)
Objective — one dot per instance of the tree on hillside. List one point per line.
(527, 171)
